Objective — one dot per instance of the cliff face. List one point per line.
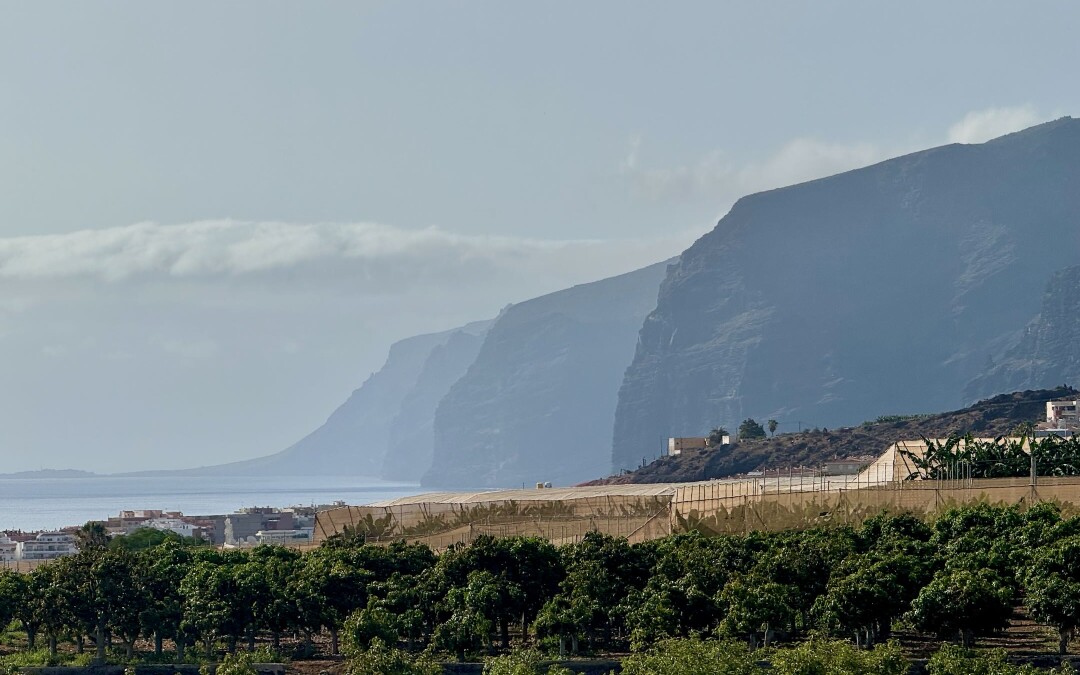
(881, 290)
(539, 401)
(412, 433)
(354, 439)
(1048, 350)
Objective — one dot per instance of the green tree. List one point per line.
(367, 625)
(117, 595)
(164, 567)
(12, 596)
(716, 436)
(750, 430)
(147, 537)
(681, 597)
(208, 592)
(772, 424)
(408, 600)
(465, 632)
(601, 573)
(757, 608)
(651, 616)
(279, 612)
(327, 587)
(1053, 588)
(562, 624)
(534, 571)
(802, 562)
(496, 579)
(863, 596)
(50, 599)
(963, 602)
(91, 535)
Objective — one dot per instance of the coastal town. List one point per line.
(249, 526)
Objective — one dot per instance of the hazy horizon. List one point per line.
(216, 220)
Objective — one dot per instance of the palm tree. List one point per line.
(92, 535)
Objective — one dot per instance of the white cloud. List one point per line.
(381, 255)
(713, 175)
(716, 177)
(807, 158)
(981, 125)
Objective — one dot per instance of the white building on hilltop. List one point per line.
(1062, 414)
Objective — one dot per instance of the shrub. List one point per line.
(239, 663)
(692, 657)
(379, 659)
(836, 657)
(522, 662)
(954, 660)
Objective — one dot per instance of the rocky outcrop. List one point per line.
(538, 403)
(881, 290)
(1048, 350)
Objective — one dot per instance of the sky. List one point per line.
(216, 217)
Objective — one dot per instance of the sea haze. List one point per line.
(48, 503)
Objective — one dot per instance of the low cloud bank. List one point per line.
(369, 251)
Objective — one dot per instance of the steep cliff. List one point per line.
(412, 432)
(354, 439)
(539, 401)
(884, 289)
(1048, 351)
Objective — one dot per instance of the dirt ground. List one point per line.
(316, 667)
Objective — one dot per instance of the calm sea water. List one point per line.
(49, 503)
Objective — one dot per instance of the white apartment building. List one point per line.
(8, 549)
(180, 527)
(47, 546)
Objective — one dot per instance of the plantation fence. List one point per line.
(776, 499)
(561, 515)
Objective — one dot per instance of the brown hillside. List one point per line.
(991, 417)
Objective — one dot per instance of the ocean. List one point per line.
(30, 504)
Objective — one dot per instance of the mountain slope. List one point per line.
(996, 416)
(1048, 351)
(353, 441)
(884, 288)
(539, 401)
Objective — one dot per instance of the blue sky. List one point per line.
(214, 218)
